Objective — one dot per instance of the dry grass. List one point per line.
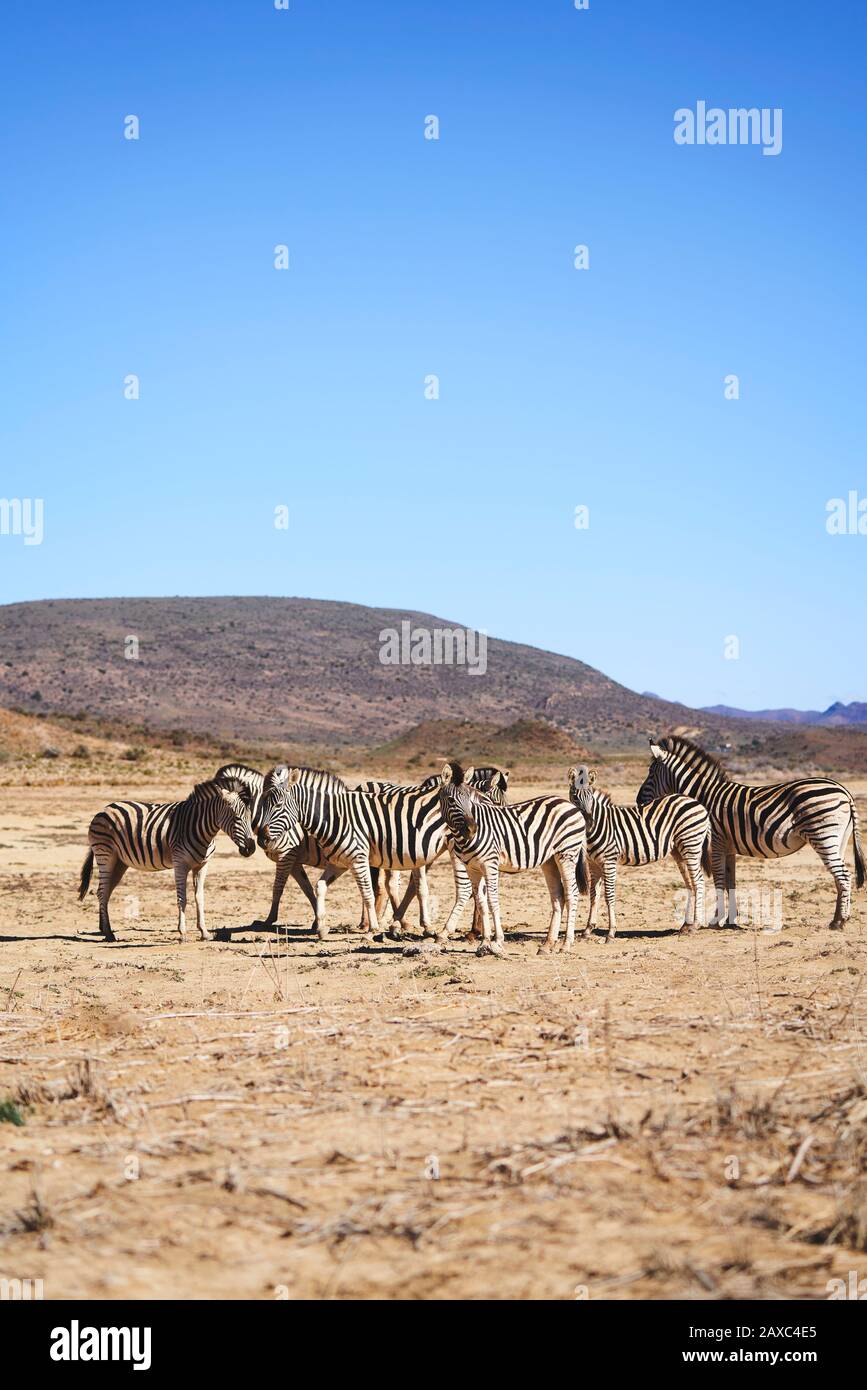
(661, 1117)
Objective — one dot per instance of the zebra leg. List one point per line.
(420, 877)
(566, 869)
(423, 890)
(199, 889)
(687, 865)
(391, 878)
(595, 892)
(830, 849)
(361, 874)
(718, 861)
(111, 871)
(610, 892)
(482, 902)
(181, 874)
(731, 862)
(282, 870)
(464, 888)
(328, 875)
(555, 889)
(491, 876)
(411, 890)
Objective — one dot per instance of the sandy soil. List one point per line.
(270, 1116)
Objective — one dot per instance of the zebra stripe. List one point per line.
(545, 832)
(178, 835)
(673, 825)
(761, 822)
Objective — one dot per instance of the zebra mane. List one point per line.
(204, 791)
(315, 777)
(676, 743)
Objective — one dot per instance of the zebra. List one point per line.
(763, 822)
(308, 854)
(673, 825)
(178, 835)
(357, 830)
(493, 780)
(545, 832)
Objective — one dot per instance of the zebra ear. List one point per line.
(280, 774)
(591, 778)
(446, 774)
(579, 777)
(294, 776)
(468, 774)
(656, 750)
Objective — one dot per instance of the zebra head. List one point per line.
(582, 789)
(248, 784)
(279, 829)
(661, 776)
(233, 814)
(458, 801)
(494, 781)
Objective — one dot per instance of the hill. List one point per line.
(303, 678)
(292, 670)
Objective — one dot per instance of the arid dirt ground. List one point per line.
(272, 1116)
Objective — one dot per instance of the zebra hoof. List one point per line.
(836, 926)
(687, 927)
(545, 950)
(491, 948)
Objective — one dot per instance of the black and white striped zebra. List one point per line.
(545, 832)
(402, 829)
(178, 835)
(493, 780)
(308, 853)
(673, 825)
(764, 822)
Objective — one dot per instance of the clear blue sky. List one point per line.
(409, 257)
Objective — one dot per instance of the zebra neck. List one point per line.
(201, 821)
(700, 781)
(314, 807)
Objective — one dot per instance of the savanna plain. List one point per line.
(268, 1115)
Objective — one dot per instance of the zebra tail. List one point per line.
(859, 849)
(581, 876)
(86, 871)
(706, 861)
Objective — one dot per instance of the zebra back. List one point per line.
(757, 820)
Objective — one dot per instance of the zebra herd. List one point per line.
(688, 808)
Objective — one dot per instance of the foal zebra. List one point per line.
(403, 829)
(546, 832)
(177, 835)
(308, 853)
(761, 822)
(674, 825)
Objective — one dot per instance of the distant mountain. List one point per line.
(834, 716)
